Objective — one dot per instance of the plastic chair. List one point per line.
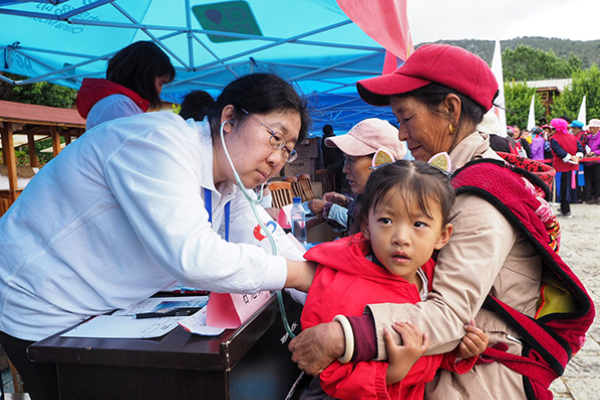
(281, 193)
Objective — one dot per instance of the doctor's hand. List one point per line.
(300, 274)
(316, 347)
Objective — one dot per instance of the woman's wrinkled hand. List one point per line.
(316, 347)
(316, 206)
(335, 198)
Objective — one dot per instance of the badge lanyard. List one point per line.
(208, 205)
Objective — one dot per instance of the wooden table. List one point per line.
(251, 362)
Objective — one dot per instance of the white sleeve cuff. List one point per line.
(275, 273)
(567, 158)
(579, 155)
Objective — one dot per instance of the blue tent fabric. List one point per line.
(311, 43)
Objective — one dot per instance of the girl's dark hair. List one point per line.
(414, 180)
(137, 66)
(260, 93)
(434, 93)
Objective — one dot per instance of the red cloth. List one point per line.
(345, 281)
(568, 143)
(553, 339)
(93, 90)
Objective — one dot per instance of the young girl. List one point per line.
(403, 216)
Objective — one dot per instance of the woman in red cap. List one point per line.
(505, 240)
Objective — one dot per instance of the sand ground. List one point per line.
(580, 248)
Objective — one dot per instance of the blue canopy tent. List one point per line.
(311, 43)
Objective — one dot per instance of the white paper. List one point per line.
(196, 324)
(124, 327)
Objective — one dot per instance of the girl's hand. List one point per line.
(473, 343)
(402, 357)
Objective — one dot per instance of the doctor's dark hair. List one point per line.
(137, 66)
(415, 181)
(260, 93)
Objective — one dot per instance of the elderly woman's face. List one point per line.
(425, 132)
(357, 170)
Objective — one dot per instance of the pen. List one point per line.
(178, 312)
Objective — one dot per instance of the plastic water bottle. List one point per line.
(298, 221)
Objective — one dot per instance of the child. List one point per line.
(403, 216)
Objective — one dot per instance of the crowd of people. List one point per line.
(442, 287)
(562, 144)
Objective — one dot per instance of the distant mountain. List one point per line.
(587, 51)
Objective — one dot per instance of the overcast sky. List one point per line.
(432, 20)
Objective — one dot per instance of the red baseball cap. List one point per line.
(440, 63)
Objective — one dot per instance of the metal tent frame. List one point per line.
(310, 43)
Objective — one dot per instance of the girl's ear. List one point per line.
(444, 236)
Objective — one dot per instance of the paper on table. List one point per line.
(154, 304)
(197, 324)
(124, 327)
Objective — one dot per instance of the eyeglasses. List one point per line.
(277, 141)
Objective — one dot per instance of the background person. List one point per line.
(566, 151)
(403, 219)
(537, 144)
(358, 147)
(134, 79)
(333, 159)
(196, 105)
(439, 96)
(591, 189)
(152, 200)
(522, 145)
(491, 126)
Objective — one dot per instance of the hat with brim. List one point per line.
(594, 123)
(434, 63)
(368, 136)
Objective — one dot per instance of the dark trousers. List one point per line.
(40, 379)
(565, 207)
(591, 190)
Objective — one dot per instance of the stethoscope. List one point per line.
(253, 203)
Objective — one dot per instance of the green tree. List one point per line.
(40, 93)
(517, 97)
(526, 63)
(584, 83)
